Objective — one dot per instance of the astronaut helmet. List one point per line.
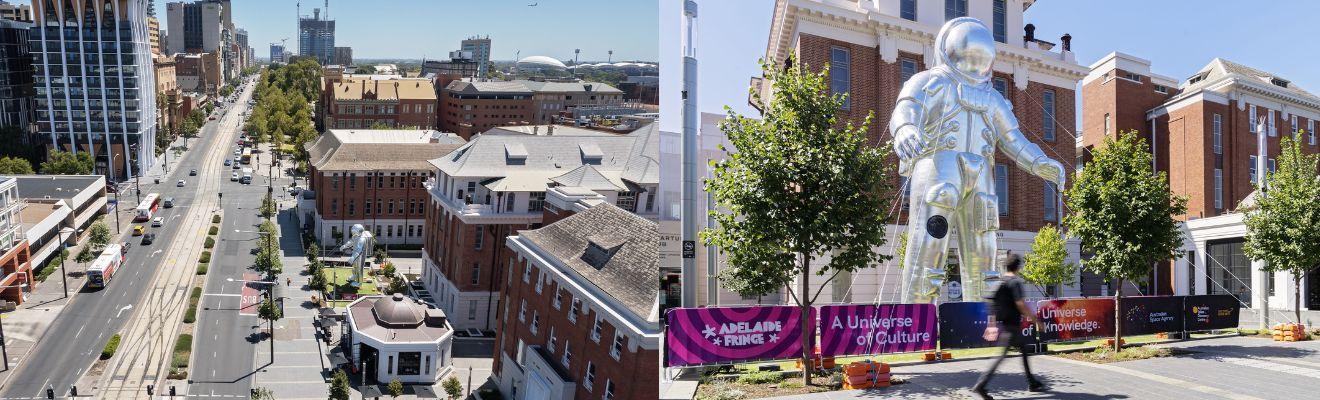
(357, 229)
(967, 47)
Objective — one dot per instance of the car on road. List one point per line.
(212, 118)
(236, 166)
(157, 222)
(138, 230)
(228, 162)
(148, 239)
(192, 173)
(169, 202)
(233, 177)
(180, 184)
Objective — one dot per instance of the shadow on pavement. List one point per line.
(1202, 352)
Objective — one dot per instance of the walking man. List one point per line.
(1007, 309)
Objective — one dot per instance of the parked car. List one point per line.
(157, 222)
(169, 202)
(148, 238)
(180, 184)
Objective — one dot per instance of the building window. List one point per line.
(839, 73)
(1217, 132)
(573, 310)
(954, 9)
(1292, 124)
(559, 299)
(480, 237)
(1001, 188)
(628, 201)
(508, 203)
(1272, 167)
(389, 365)
(1000, 85)
(535, 201)
(1251, 118)
(527, 273)
(1107, 124)
(1269, 127)
(1000, 20)
(1219, 189)
(1252, 168)
(616, 348)
(472, 309)
(1048, 104)
(476, 273)
(609, 390)
(536, 321)
(1161, 89)
(595, 331)
(1310, 131)
(1051, 202)
(650, 199)
(907, 68)
(522, 311)
(568, 354)
(410, 363)
(550, 344)
(540, 282)
(908, 9)
(590, 377)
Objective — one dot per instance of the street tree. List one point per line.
(85, 255)
(1123, 213)
(313, 252)
(798, 183)
(453, 388)
(15, 166)
(100, 235)
(1281, 224)
(67, 163)
(269, 311)
(395, 388)
(268, 207)
(339, 385)
(1045, 265)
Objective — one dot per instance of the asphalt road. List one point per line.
(75, 339)
(228, 331)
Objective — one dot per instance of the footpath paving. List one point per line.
(1240, 368)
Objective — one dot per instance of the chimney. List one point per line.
(1067, 42)
(1031, 33)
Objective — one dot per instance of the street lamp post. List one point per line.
(137, 178)
(64, 245)
(270, 296)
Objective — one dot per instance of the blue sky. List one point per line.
(1179, 37)
(433, 28)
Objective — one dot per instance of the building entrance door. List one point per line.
(1313, 290)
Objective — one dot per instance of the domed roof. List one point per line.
(541, 62)
(396, 310)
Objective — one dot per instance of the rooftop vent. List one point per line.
(1279, 82)
(591, 153)
(515, 153)
(597, 256)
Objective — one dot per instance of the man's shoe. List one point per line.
(1037, 386)
(981, 392)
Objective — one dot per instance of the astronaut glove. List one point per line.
(908, 143)
(1050, 170)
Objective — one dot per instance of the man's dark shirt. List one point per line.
(1005, 300)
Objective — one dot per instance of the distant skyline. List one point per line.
(413, 29)
(1178, 37)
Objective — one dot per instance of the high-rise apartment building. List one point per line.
(95, 85)
(153, 33)
(344, 56)
(316, 38)
(277, 53)
(16, 107)
(15, 12)
(480, 48)
(194, 27)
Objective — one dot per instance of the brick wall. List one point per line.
(486, 114)
(401, 197)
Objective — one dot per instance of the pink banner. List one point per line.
(854, 329)
(721, 335)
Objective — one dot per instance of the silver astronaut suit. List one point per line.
(946, 125)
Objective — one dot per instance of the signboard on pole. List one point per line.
(854, 329)
(722, 335)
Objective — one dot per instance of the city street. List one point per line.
(75, 339)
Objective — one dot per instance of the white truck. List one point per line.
(246, 178)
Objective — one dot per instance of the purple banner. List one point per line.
(721, 335)
(855, 329)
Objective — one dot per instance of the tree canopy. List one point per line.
(15, 166)
(68, 163)
(1045, 264)
(1281, 225)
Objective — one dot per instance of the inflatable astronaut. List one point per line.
(946, 125)
(361, 244)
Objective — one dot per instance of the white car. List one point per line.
(157, 222)
(233, 177)
(180, 184)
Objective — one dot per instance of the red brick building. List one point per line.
(373, 178)
(366, 102)
(471, 106)
(874, 47)
(1203, 134)
(580, 315)
(506, 180)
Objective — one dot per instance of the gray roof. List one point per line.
(556, 157)
(1220, 67)
(343, 150)
(409, 325)
(55, 186)
(630, 275)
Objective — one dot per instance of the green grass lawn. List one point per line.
(338, 278)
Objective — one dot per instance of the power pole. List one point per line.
(689, 207)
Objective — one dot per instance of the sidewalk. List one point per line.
(24, 326)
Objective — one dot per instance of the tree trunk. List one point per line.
(1118, 317)
(806, 322)
(1297, 296)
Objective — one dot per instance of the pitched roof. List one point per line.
(623, 247)
(558, 158)
(354, 88)
(1219, 67)
(353, 150)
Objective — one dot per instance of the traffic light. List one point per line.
(73, 391)
(171, 390)
(50, 393)
(151, 390)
